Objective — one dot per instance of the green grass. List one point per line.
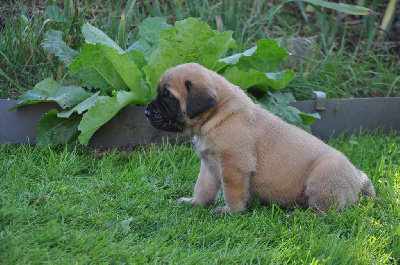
(342, 74)
(79, 206)
(347, 60)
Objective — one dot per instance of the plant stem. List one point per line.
(387, 18)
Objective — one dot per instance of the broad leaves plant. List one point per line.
(108, 78)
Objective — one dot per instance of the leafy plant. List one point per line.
(108, 78)
(279, 104)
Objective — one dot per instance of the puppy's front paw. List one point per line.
(185, 200)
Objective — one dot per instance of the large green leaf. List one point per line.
(53, 130)
(234, 59)
(94, 35)
(257, 67)
(279, 104)
(138, 58)
(149, 32)
(190, 40)
(104, 109)
(81, 107)
(53, 43)
(55, 13)
(267, 56)
(49, 90)
(99, 66)
(217, 47)
(258, 80)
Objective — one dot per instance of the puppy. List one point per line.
(247, 151)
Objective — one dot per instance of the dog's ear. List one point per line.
(198, 101)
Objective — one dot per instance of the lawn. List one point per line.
(78, 206)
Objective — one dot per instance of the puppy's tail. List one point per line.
(367, 187)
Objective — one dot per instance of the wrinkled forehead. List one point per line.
(186, 72)
(175, 79)
(175, 84)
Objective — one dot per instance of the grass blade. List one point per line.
(348, 9)
(121, 31)
(385, 25)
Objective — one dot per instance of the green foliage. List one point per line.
(94, 35)
(257, 68)
(149, 33)
(189, 40)
(266, 56)
(104, 109)
(24, 62)
(279, 104)
(55, 13)
(53, 130)
(122, 77)
(81, 107)
(49, 90)
(102, 67)
(54, 44)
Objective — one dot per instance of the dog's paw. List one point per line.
(185, 200)
(222, 210)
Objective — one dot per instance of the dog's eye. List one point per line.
(166, 93)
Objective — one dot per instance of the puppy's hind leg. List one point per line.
(206, 189)
(333, 181)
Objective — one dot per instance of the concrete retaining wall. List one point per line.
(129, 126)
(348, 116)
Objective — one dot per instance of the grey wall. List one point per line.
(349, 115)
(129, 126)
